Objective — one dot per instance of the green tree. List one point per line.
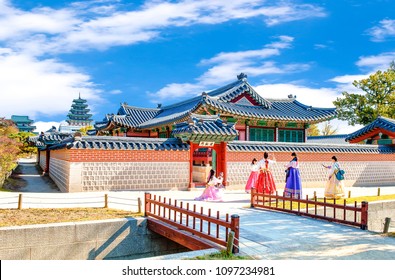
(25, 148)
(378, 100)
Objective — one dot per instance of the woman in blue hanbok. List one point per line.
(293, 182)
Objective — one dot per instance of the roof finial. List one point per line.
(242, 76)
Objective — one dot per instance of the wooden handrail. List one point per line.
(258, 200)
(151, 203)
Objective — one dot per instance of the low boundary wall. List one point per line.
(126, 238)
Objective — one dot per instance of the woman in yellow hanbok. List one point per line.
(334, 188)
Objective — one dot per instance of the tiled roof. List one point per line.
(285, 110)
(46, 139)
(249, 146)
(122, 143)
(218, 100)
(328, 139)
(173, 113)
(207, 128)
(231, 91)
(381, 122)
(21, 119)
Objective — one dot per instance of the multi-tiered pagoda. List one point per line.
(24, 123)
(77, 117)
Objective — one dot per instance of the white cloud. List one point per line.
(223, 67)
(376, 62)
(30, 86)
(116, 91)
(45, 126)
(385, 30)
(101, 24)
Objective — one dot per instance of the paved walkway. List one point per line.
(263, 235)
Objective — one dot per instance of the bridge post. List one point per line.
(364, 215)
(234, 226)
(253, 197)
(147, 208)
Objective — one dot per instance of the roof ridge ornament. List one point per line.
(242, 76)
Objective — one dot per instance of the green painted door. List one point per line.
(214, 160)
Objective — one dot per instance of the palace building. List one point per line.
(174, 147)
(255, 118)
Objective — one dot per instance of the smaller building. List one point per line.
(24, 123)
(379, 132)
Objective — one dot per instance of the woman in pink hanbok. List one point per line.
(211, 192)
(253, 176)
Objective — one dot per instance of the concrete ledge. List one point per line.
(126, 238)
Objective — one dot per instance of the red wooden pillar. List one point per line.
(224, 162)
(364, 215)
(191, 150)
(221, 160)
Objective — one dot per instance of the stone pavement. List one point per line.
(263, 234)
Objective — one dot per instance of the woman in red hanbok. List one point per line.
(265, 183)
(251, 183)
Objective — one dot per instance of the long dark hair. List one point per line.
(265, 155)
(253, 161)
(295, 156)
(212, 172)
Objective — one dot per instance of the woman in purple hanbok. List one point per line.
(293, 182)
(211, 192)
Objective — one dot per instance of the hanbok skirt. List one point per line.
(251, 183)
(265, 183)
(211, 193)
(293, 185)
(334, 188)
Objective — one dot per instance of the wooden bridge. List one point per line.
(189, 226)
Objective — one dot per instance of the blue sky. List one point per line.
(149, 52)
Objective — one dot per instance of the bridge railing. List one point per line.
(331, 211)
(188, 218)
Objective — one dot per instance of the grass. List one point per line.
(223, 255)
(32, 216)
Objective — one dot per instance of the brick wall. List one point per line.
(361, 169)
(77, 170)
(90, 155)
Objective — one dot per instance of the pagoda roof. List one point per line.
(223, 101)
(21, 119)
(380, 124)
